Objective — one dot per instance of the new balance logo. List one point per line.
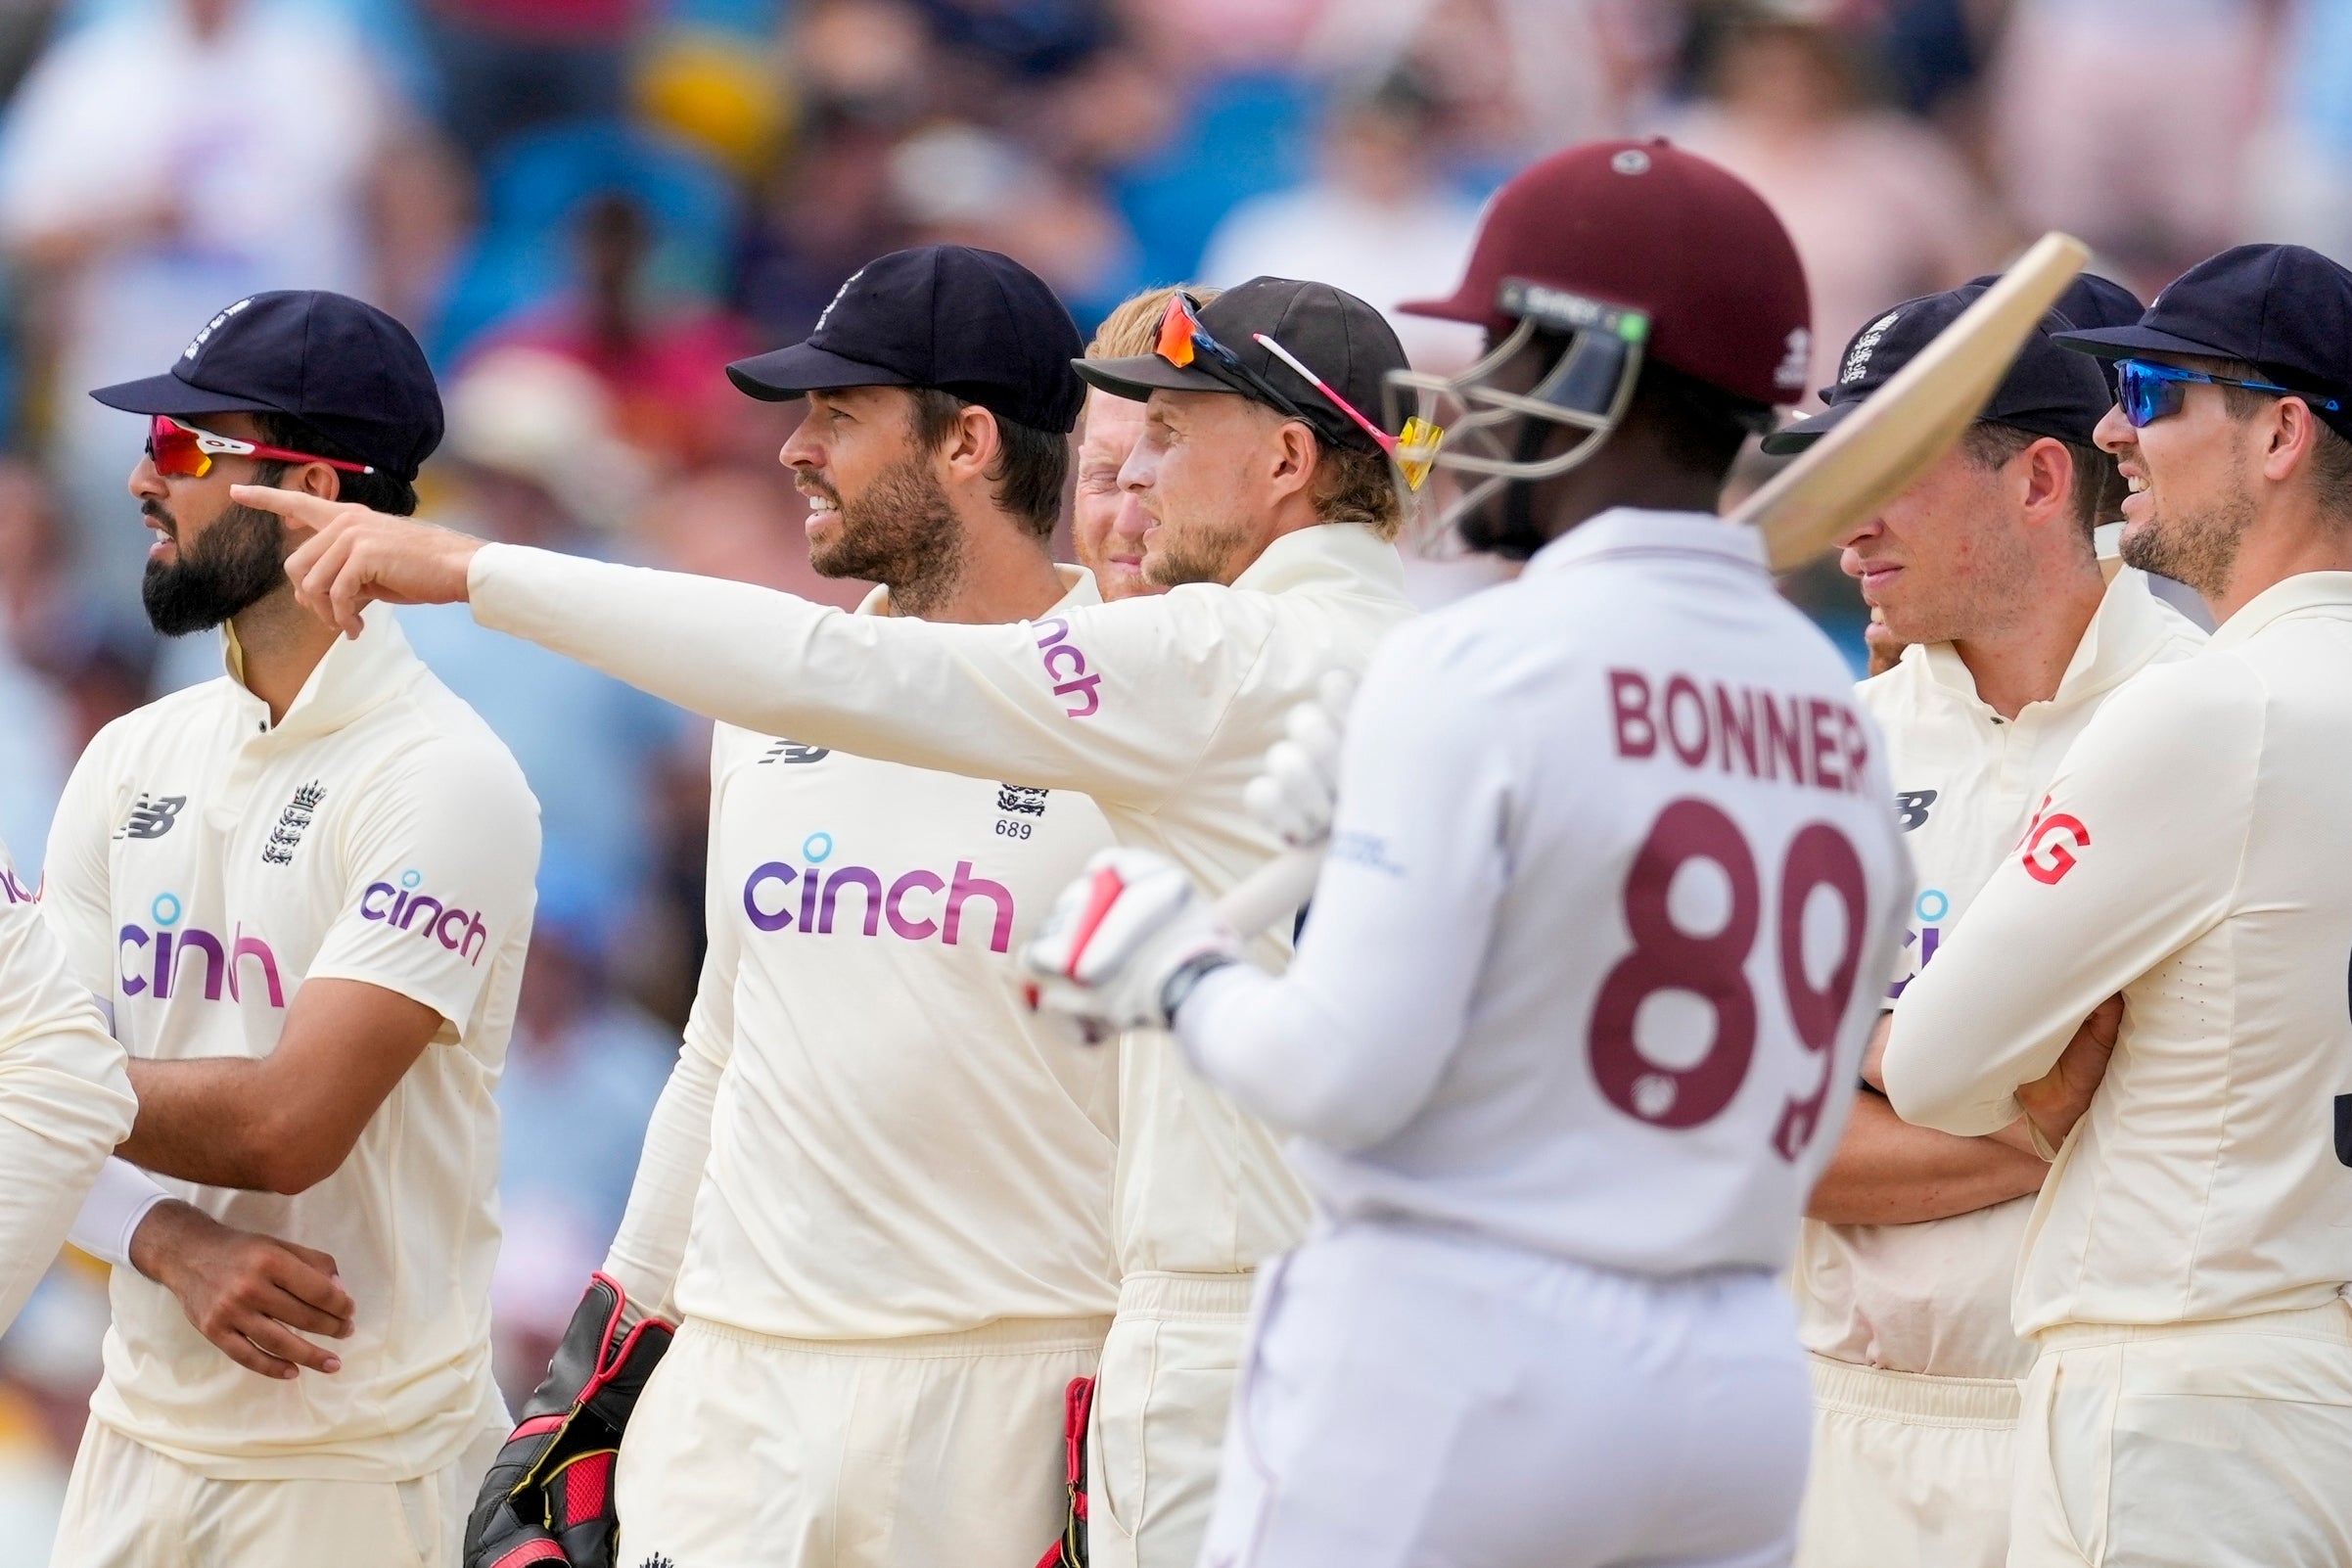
(151, 817)
(1911, 808)
(785, 750)
(1021, 797)
(287, 836)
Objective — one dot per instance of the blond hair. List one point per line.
(1350, 486)
(1134, 328)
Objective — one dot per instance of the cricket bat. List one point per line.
(1912, 420)
(1866, 461)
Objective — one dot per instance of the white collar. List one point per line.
(1626, 531)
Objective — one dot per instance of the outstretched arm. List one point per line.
(1119, 701)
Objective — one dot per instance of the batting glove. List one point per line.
(1298, 785)
(548, 1496)
(1126, 943)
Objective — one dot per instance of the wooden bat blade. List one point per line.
(1916, 417)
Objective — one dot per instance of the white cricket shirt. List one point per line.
(1934, 1296)
(204, 865)
(1598, 942)
(64, 1099)
(898, 1144)
(2191, 854)
(1161, 709)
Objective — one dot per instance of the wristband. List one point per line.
(120, 1199)
(1188, 974)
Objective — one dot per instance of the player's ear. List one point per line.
(2291, 438)
(2048, 476)
(1294, 456)
(318, 479)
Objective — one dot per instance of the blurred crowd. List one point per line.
(584, 207)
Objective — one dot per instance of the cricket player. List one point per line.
(1985, 567)
(876, 1195)
(64, 1101)
(1106, 521)
(2185, 1267)
(304, 889)
(1594, 956)
(1271, 515)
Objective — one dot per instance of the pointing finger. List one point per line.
(294, 506)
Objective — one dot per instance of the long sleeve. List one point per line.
(74, 873)
(2134, 854)
(64, 1096)
(650, 1246)
(1348, 1044)
(1118, 700)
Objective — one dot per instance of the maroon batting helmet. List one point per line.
(1626, 251)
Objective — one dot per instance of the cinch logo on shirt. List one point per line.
(1065, 664)
(453, 927)
(1930, 909)
(164, 951)
(767, 900)
(15, 890)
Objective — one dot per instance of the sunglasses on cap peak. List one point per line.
(184, 451)
(1183, 340)
(2148, 390)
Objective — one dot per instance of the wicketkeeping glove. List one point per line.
(1125, 943)
(1298, 784)
(548, 1497)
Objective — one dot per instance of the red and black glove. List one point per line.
(548, 1497)
(1077, 1403)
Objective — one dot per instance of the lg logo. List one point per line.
(2050, 844)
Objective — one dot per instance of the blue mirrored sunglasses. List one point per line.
(2148, 390)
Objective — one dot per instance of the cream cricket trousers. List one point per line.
(129, 1506)
(924, 1451)
(1909, 1471)
(2209, 1444)
(1419, 1399)
(1160, 1416)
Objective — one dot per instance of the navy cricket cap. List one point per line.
(1334, 334)
(971, 323)
(339, 365)
(2090, 302)
(2046, 391)
(2281, 309)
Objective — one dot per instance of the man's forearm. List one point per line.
(201, 1120)
(1886, 1171)
(969, 699)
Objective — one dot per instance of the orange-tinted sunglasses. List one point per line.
(1181, 338)
(184, 451)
